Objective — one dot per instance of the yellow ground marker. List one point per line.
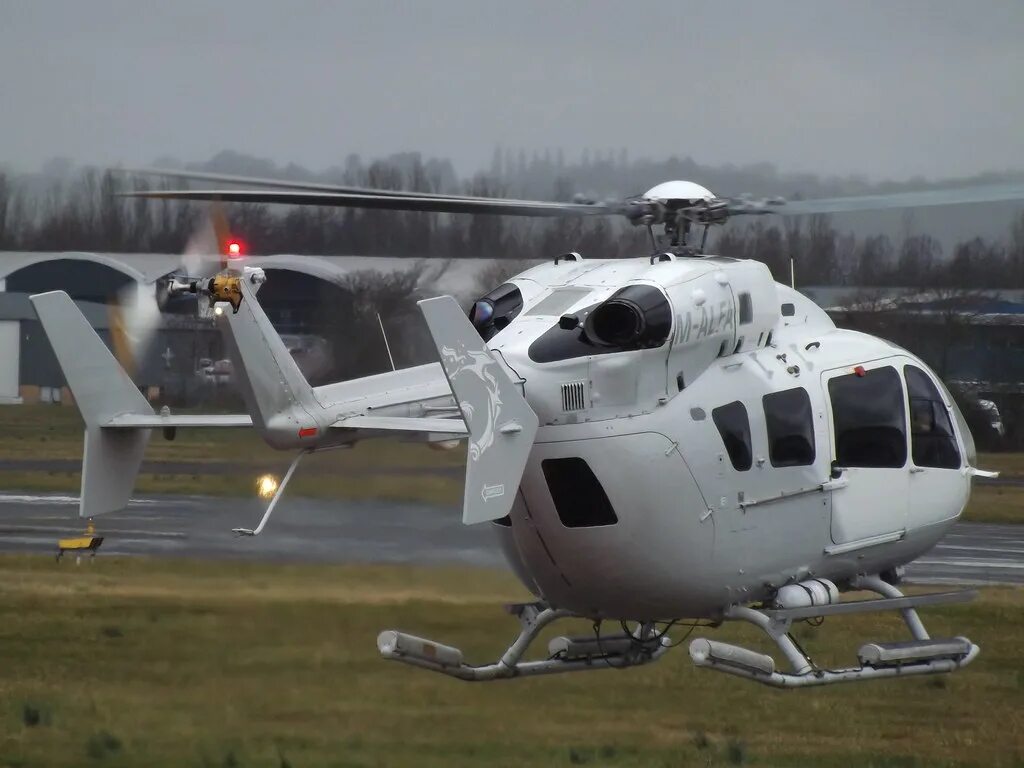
(89, 542)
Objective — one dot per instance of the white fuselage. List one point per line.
(689, 531)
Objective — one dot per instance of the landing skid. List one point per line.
(566, 654)
(919, 656)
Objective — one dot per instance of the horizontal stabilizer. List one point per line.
(454, 427)
(155, 421)
(501, 423)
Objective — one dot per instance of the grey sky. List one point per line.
(884, 89)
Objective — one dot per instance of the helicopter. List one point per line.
(672, 441)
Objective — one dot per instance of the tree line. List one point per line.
(824, 256)
(83, 211)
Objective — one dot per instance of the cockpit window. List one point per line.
(869, 418)
(932, 441)
(632, 318)
(496, 310)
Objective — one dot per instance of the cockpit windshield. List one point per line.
(496, 310)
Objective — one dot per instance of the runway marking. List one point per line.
(967, 563)
(982, 549)
(963, 581)
(10, 498)
(59, 530)
(18, 499)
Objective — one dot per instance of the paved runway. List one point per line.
(299, 530)
(390, 532)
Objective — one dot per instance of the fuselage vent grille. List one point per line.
(574, 396)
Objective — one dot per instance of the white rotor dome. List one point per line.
(678, 190)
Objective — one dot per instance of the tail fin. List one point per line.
(277, 395)
(103, 391)
(501, 423)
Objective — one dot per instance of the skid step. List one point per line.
(398, 645)
(913, 651)
(591, 647)
(710, 653)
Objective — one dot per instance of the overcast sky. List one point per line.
(884, 89)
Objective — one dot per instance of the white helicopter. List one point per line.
(669, 440)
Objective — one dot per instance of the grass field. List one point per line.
(137, 662)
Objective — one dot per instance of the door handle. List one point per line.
(915, 470)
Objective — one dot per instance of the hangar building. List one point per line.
(187, 356)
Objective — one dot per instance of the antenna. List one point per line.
(792, 278)
(386, 345)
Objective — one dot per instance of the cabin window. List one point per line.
(790, 425)
(580, 501)
(746, 309)
(932, 440)
(734, 427)
(788, 309)
(869, 419)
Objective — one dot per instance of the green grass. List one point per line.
(137, 662)
(996, 504)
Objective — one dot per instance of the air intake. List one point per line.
(573, 396)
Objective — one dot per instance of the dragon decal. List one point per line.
(463, 362)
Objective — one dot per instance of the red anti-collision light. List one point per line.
(307, 432)
(234, 249)
(859, 370)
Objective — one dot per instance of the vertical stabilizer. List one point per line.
(277, 395)
(501, 423)
(102, 391)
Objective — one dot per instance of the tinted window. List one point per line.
(790, 428)
(579, 498)
(734, 427)
(868, 417)
(932, 441)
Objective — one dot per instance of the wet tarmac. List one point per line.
(385, 532)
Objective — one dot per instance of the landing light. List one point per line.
(266, 486)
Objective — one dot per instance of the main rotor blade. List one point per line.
(987, 193)
(406, 201)
(298, 186)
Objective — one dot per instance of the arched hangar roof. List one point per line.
(141, 267)
(459, 277)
